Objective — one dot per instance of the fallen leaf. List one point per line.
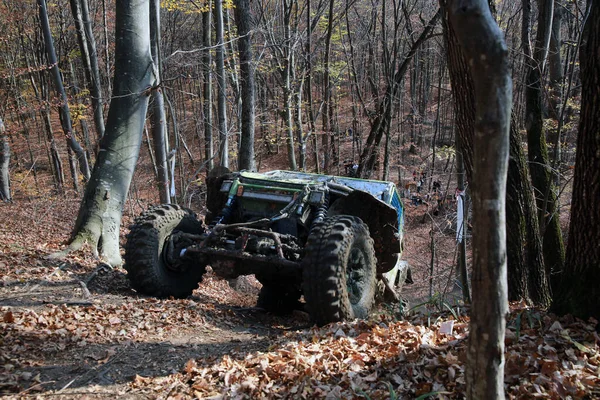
(8, 318)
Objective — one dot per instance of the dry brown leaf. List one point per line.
(8, 317)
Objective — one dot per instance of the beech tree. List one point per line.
(99, 218)
(578, 292)
(487, 55)
(4, 164)
(207, 86)
(539, 164)
(159, 117)
(65, 115)
(89, 56)
(244, 25)
(221, 86)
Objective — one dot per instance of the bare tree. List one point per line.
(578, 292)
(539, 164)
(483, 44)
(4, 164)
(207, 88)
(159, 117)
(328, 109)
(244, 26)
(65, 115)
(221, 88)
(527, 279)
(89, 56)
(380, 124)
(99, 218)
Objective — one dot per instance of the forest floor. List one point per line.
(74, 328)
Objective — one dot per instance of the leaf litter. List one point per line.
(55, 340)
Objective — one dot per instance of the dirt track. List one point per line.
(87, 330)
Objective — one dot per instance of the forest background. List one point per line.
(335, 84)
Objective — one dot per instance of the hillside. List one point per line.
(74, 328)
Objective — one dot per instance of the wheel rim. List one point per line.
(355, 275)
(170, 254)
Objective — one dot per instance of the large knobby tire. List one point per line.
(148, 267)
(339, 270)
(279, 299)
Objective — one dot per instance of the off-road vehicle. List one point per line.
(334, 240)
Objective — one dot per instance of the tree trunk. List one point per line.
(4, 164)
(483, 45)
(65, 115)
(244, 26)
(99, 217)
(85, 130)
(207, 91)
(298, 132)
(553, 247)
(287, 106)
(527, 278)
(221, 100)
(308, 88)
(461, 259)
(464, 101)
(234, 76)
(106, 52)
(578, 292)
(555, 67)
(326, 141)
(89, 56)
(56, 161)
(159, 117)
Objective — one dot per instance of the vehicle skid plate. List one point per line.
(232, 263)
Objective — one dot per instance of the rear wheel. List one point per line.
(153, 252)
(339, 270)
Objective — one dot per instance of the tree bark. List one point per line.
(464, 100)
(221, 98)
(527, 278)
(483, 45)
(207, 89)
(4, 164)
(553, 247)
(308, 88)
(106, 51)
(65, 115)
(461, 259)
(244, 26)
(555, 67)
(578, 292)
(288, 66)
(159, 117)
(99, 217)
(89, 56)
(327, 139)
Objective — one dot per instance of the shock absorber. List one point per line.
(225, 213)
(321, 212)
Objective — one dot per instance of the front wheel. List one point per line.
(339, 270)
(152, 252)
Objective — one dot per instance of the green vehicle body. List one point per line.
(377, 203)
